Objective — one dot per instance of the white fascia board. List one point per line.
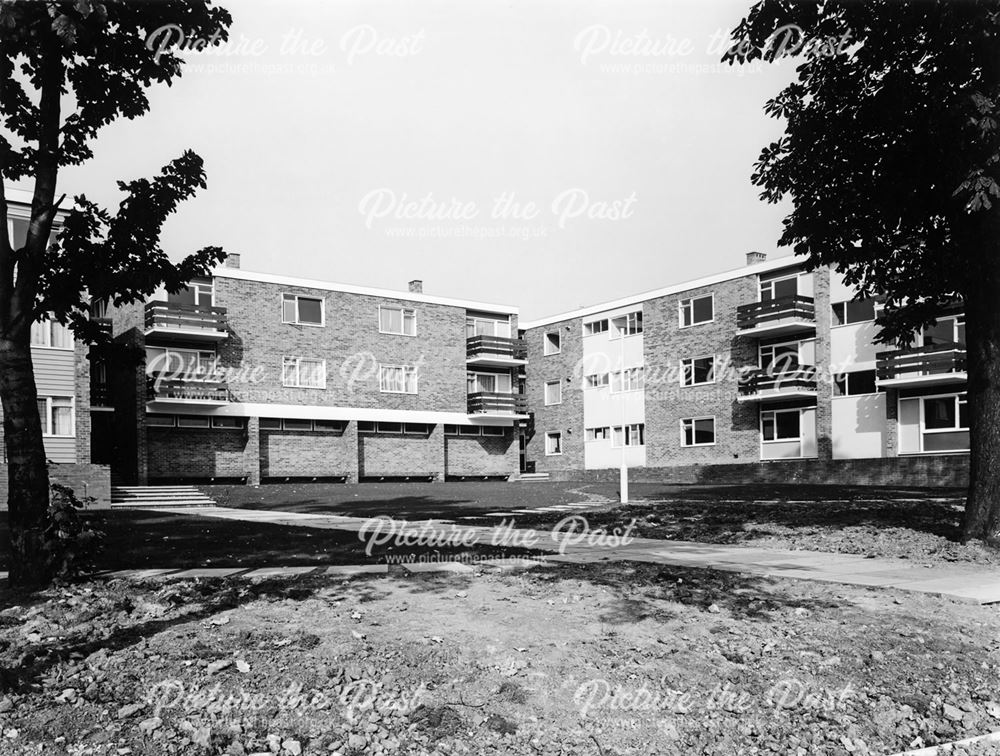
(600, 309)
(317, 412)
(406, 296)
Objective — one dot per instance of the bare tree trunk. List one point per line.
(28, 489)
(982, 508)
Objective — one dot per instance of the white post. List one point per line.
(623, 473)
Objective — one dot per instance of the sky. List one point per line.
(548, 154)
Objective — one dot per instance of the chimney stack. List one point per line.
(233, 260)
(416, 286)
(753, 258)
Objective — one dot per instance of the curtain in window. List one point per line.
(62, 417)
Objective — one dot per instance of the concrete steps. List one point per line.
(530, 477)
(149, 497)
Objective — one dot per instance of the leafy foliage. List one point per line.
(891, 152)
(72, 543)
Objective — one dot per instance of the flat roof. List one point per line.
(747, 270)
(408, 296)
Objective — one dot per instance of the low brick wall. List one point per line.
(291, 454)
(177, 453)
(944, 471)
(486, 455)
(392, 454)
(84, 479)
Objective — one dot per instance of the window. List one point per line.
(596, 381)
(950, 330)
(56, 414)
(697, 371)
(337, 426)
(635, 435)
(397, 379)
(780, 425)
(416, 429)
(51, 334)
(552, 343)
(493, 430)
(488, 383)
(631, 379)
(853, 311)
(192, 421)
(595, 327)
(487, 325)
(598, 434)
(553, 443)
(945, 423)
(474, 430)
(779, 358)
(553, 392)
(698, 431)
(852, 384)
(627, 325)
(397, 320)
(228, 422)
(296, 424)
(188, 364)
(297, 372)
(270, 423)
(302, 310)
(468, 430)
(160, 421)
(200, 292)
(697, 310)
(777, 288)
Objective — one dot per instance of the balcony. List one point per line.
(166, 321)
(496, 351)
(760, 385)
(164, 391)
(776, 317)
(487, 403)
(921, 366)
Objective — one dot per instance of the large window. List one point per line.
(184, 364)
(489, 383)
(51, 334)
(698, 431)
(945, 423)
(553, 392)
(697, 310)
(776, 288)
(853, 311)
(779, 357)
(781, 425)
(595, 327)
(627, 325)
(485, 325)
(697, 371)
(852, 384)
(598, 434)
(397, 379)
(597, 380)
(302, 310)
(630, 379)
(199, 293)
(553, 443)
(397, 320)
(634, 435)
(948, 330)
(57, 416)
(297, 372)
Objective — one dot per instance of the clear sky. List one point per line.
(369, 143)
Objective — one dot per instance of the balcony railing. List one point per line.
(487, 403)
(100, 394)
(773, 311)
(158, 389)
(168, 316)
(939, 360)
(763, 381)
(496, 347)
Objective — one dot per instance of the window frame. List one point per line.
(545, 393)
(633, 325)
(589, 330)
(846, 378)
(48, 421)
(774, 413)
(402, 320)
(640, 370)
(549, 435)
(407, 370)
(694, 442)
(592, 437)
(690, 302)
(619, 431)
(843, 304)
(48, 325)
(684, 374)
(298, 372)
(761, 282)
(599, 384)
(298, 321)
(547, 349)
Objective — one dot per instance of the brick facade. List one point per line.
(291, 454)
(483, 456)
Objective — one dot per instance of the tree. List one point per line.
(68, 69)
(890, 157)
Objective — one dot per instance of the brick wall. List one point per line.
(485, 455)
(566, 417)
(84, 478)
(315, 454)
(178, 453)
(667, 402)
(941, 471)
(392, 454)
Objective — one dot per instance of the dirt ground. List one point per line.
(597, 659)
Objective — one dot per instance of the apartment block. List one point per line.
(770, 363)
(62, 379)
(254, 377)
